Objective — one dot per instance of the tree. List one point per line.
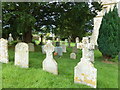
(109, 37)
(62, 18)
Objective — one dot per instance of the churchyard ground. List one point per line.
(35, 77)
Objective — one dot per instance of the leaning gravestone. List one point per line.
(64, 47)
(3, 51)
(31, 47)
(22, 55)
(73, 56)
(84, 72)
(49, 64)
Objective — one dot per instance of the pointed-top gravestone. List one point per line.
(22, 55)
(49, 64)
(3, 51)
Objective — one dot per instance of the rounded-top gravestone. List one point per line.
(22, 55)
(3, 51)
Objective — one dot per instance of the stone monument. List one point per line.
(31, 47)
(10, 39)
(64, 47)
(84, 72)
(73, 56)
(22, 55)
(49, 64)
(3, 51)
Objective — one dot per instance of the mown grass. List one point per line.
(35, 77)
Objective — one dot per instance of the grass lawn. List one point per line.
(35, 77)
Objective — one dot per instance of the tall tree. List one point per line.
(109, 38)
(62, 18)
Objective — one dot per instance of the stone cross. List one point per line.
(49, 64)
(10, 39)
(87, 49)
(3, 51)
(22, 55)
(84, 71)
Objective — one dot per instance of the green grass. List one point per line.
(35, 77)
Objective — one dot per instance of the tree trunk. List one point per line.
(41, 43)
(27, 36)
(107, 57)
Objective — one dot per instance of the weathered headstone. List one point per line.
(10, 39)
(3, 51)
(73, 56)
(43, 51)
(59, 51)
(77, 39)
(57, 44)
(49, 64)
(58, 39)
(64, 47)
(87, 48)
(22, 55)
(84, 72)
(75, 50)
(31, 47)
(66, 40)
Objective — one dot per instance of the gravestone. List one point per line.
(66, 40)
(22, 55)
(64, 47)
(59, 51)
(77, 39)
(43, 51)
(3, 51)
(49, 64)
(10, 39)
(57, 44)
(87, 48)
(84, 72)
(73, 56)
(75, 50)
(31, 47)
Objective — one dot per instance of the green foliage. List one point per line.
(35, 77)
(109, 37)
(61, 18)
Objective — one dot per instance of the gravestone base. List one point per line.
(85, 73)
(50, 66)
(22, 66)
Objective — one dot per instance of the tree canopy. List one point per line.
(62, 18)
(108, 39)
